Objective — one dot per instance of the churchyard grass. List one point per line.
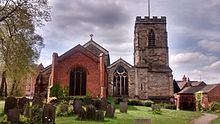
(134, 112)
(217, 121)
(139, 112)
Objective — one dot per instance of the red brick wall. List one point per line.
(63, 69)
(214, 94)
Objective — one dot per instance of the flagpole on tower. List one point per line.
(149, 8)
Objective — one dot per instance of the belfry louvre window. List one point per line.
(77, 85)
(120, 82)
(151, 38)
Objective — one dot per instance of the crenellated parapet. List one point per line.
(147, 19)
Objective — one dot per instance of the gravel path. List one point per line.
(205, 119)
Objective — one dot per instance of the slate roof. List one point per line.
(120, 61)
(182, 84)
(192, 90)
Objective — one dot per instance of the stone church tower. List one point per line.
(153, 76)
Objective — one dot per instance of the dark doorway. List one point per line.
(77, 82)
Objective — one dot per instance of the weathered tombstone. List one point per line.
(104, 103)
(13, 116)
(49, 112)
(123, 107)
(82, 114)
(110, 111)
(90, 112)
(97, 104)
(22, 103)
(37, 101)
(10, 103)
(27, 111)
(142, 121)
(100, 115)
(77, 105)
(155, 107)
(64, 108)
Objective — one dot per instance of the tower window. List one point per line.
(151, 38)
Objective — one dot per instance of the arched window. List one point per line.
(151, 38)
(77, 85)
(120, 82)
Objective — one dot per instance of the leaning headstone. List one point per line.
(100, 115)
(155, 107)
(13, 116)
(27, 111)
(10, 103)
(64, 108)
(97, 104)
(90, 112)
(110, 111)
(142, 121)
(22, 103)
(82, 114)
(104, 103)
(49, 112)
(77, 105)
(123, 107)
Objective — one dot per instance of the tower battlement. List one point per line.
(147, 19)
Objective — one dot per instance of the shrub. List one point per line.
(110, 100)
(36, 114)
(57, 91)
(135, 102)
(170, 106)
(147, 103)
(215, 106)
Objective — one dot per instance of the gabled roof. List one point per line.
(182, 84)
(77, 49)
(204, 89)
(208, 88)
(191, 90)
(91, 42)
(120, 61)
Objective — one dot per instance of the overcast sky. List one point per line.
(193, 31)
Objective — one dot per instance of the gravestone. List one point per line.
(110, 111)
(10, 103)
(13, 116)
(104, 103)
(155, 107)
(64, 108)
(22, 103)
(97, 104)
(100, 115)
(77, 106)
(49, 112)
(123, 107)
(90, 112)
(142, 121)
(37, 101)
(82, 114)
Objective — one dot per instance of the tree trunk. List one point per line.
(2, 87)
(6, 93)
(13, 88)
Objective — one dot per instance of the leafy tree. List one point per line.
(20, 45)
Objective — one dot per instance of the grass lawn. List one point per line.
(134, 112)
(217, 121)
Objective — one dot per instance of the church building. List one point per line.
(86, 69)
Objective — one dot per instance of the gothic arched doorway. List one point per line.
(120, 82)
(77, 85)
